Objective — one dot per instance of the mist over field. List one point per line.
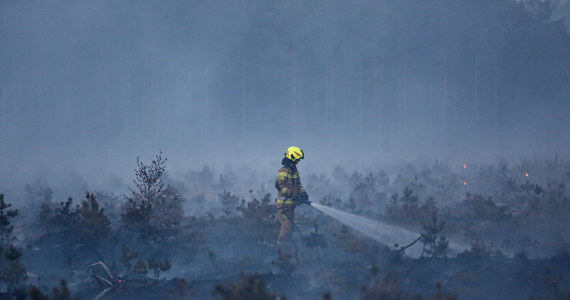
(409, 112)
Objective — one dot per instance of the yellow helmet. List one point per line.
(294, 153)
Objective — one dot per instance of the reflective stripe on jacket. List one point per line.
(286, 202)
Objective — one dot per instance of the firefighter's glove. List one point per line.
(303, 198)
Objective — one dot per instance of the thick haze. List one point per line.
(91, 85)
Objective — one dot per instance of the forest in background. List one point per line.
(451, 78)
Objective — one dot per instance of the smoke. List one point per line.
(87, 87)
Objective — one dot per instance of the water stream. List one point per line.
(384, 233)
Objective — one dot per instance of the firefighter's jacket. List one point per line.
(288, 184)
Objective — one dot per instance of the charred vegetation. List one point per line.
(516, 233)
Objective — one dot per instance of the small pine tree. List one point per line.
(62, 292)
(153, 209)
(167, 216)
(36, 294)
(45, 217)
(434, 244)
(94, 226)
(6, 228)
(158, 266)
(251, 287)
(127, 255)
(258, 219)
(140, 269)
(230, 203)
(66, 218)
(13, 272)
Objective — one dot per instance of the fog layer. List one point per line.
(93, 84)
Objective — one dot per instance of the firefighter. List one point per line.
(290, 192)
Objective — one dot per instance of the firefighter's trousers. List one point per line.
(286, 215)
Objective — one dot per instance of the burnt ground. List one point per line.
(466, 277)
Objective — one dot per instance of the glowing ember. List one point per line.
(464, 182)
(464, 166)
(525, 174)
